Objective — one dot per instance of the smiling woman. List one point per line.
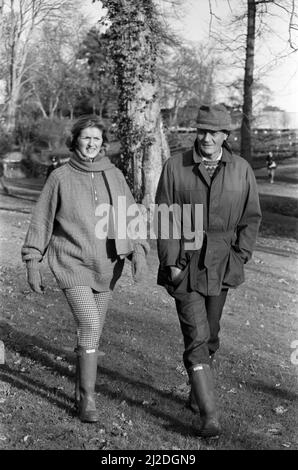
(89, 142)
(89, 138)
(86, 267)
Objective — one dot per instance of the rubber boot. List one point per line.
(203, 389)
(77, 384)
(87, 371)
(192, 402)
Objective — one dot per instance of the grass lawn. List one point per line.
(142, 385)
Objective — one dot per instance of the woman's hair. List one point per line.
(88, 120)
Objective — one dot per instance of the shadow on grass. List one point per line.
(258, 386)
(36, 387)
(40, 350)
(278, 225)
(279, 204)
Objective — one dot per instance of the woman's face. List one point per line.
(89, 142)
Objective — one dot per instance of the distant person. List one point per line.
(271, 167)
(198, 276)
(86, 261)
(52, 166)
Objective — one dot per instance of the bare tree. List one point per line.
(258, 16)
(20, 20)
(262, 95)
(189, 72)
(1, 15)
(56, 77)
(252, 6)
(247, 109)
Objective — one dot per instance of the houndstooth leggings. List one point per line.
(89, 310)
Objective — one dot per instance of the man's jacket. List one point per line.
(231, 219)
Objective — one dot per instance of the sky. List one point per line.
(192, 22)
(282, 79)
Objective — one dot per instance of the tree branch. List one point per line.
(212, 14)
(292, 26)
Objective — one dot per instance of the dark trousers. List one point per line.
(199, 318)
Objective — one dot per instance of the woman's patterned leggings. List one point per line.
(89, 309)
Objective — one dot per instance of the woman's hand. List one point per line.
(34, 279)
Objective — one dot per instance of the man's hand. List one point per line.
(175, 272)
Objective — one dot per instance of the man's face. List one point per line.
(210, 142)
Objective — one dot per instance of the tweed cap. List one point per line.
(214, 118)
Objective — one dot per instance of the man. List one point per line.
(198, 277)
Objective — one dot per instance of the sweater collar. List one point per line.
(100, 163)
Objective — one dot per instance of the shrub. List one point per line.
(34, 136)
(6, 143)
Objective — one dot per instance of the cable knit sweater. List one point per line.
(64, 222)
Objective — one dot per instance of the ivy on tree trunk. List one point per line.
(133, 48)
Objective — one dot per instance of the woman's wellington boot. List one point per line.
(87, 371)
(203, 390)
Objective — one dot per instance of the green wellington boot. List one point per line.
(85, 385)
(203, 390)
(191, 401)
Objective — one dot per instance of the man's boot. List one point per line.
(192, 402)
(203, 389)
(87, 371)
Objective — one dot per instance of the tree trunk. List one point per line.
(17, 58)
(40, 106)
(174, 120)
(14, 87)
(140, 130)
(53, 107)
(154, 157)
(10, 122)
(246, 147)
(148, 159)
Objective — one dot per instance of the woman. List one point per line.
(85, 260)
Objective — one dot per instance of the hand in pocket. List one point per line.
(175, 273)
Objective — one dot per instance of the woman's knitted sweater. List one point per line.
(66, 220)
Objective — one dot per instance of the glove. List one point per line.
(34, 278)
(139, 264)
